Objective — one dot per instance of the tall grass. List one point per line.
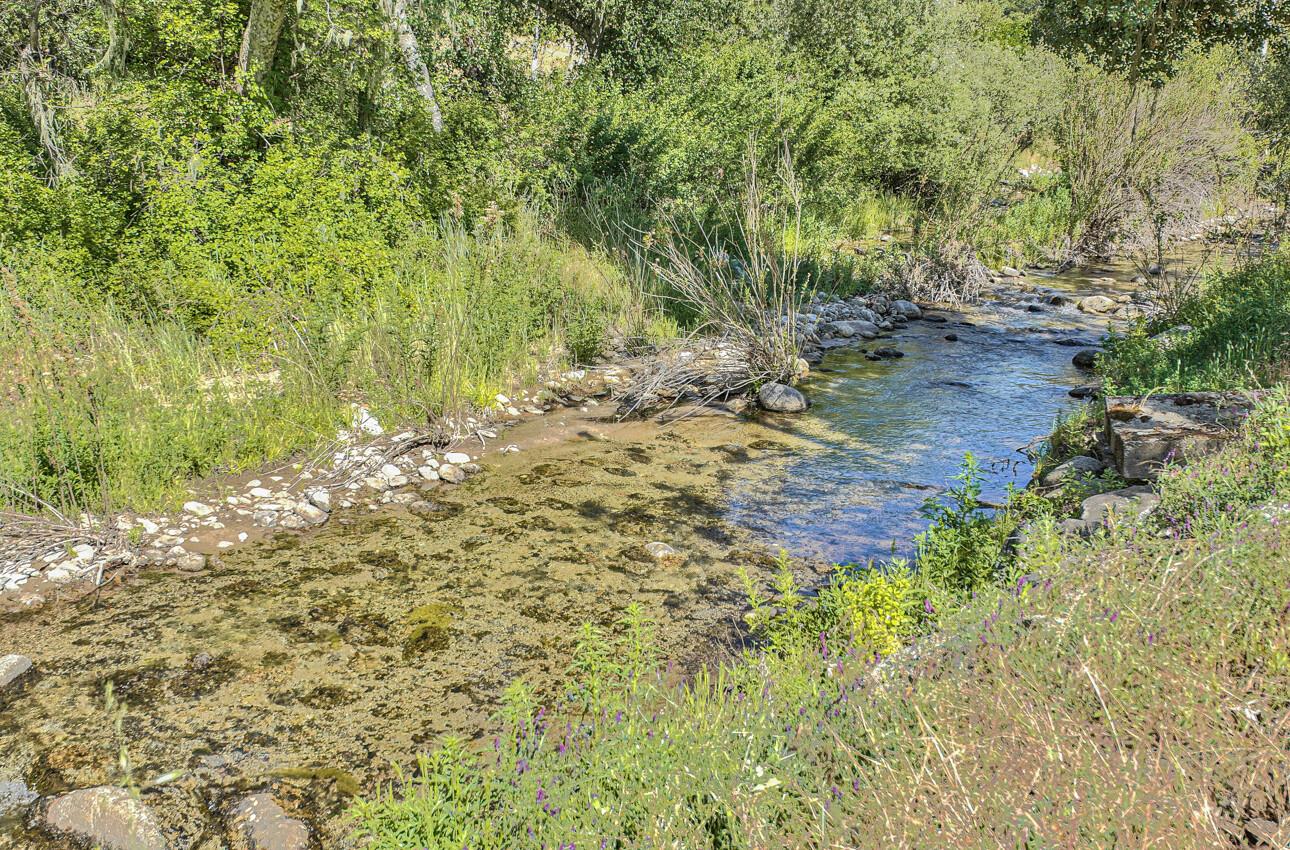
(106, 410)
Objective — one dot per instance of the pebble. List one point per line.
(457, 458)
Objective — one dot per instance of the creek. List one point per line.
(309, 664)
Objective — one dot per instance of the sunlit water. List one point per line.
(310, 664)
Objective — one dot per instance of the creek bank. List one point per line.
(364, 467)
(1138, 437)
(311, 630)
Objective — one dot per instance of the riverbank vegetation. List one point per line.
(1044, 690)
(415, 206)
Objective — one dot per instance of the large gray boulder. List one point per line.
(105, 817)
(1118, 504)
(908, 309)
(781, 398)
(259, 823)
(1146, 433)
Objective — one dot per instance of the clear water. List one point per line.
(308, 665)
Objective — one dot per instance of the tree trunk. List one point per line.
(396, 13)
(260, 40)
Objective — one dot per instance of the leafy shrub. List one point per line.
(1240, 333)
(960, 549)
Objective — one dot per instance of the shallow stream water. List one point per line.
(309, 664)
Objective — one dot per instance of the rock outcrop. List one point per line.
(1146, 433)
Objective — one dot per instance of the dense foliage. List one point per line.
(262, 184)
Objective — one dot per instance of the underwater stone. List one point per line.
(107, 817)
(13, 667)
(261, 824)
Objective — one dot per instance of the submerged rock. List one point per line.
(259, 823)
(108, 817)
(1086, 358)
(14, 797)
(781, 398)
(664, 554)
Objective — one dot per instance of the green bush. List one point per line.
(1240, 336)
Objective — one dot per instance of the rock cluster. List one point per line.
(861, 317)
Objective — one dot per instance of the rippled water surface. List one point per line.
(309, 664)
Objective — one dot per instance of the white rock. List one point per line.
(391, 471)
(198, 509)
(429, 473)
(363, 420)
(148, 526)
(457, 458)
(311, 514)
(83, 552)
(320, 499)
(260, 493)
(452, 474)
(241, 537)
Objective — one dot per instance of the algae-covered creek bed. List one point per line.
(310, 664)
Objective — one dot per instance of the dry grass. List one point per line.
(745, 292)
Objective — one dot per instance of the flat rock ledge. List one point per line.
(105, 817)
(1146, 433)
